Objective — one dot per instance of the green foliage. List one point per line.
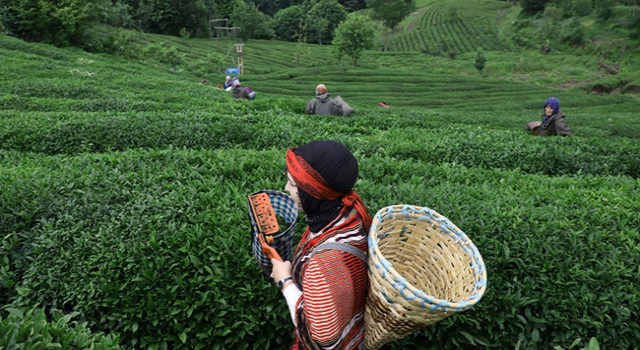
(391, 13)
(253, 23)
(116, 14)
(164, 54)
(634, 25)
(354, 36)
(54, 22)
(31, 330)
(593, 345)
(582, 8)
(286, 23)
(480, 61)
(554, 13)
(322, 20)
(531, 7)
(167, 17)
(353, 5)
(441, 49)
(118, 43)
(575, 33)
(604, 9)
(184, 33)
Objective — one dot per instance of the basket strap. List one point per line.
(340, 246)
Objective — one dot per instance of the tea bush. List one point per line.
(32, 330)
(121, 239)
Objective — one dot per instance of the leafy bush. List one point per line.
(575, 33)
(32, 330)
(582, 7)
(253, 23)
(354, 36)
(287, 23)
(120, 238)
(604, 9)
(54, 22)
(322, 20)
(554, 13)
(480, 61)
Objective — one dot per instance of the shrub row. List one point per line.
(430, 140)
(154, 246)
(32, 330)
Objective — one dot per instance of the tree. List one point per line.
(252, 22)
(531, 7)
(604, 9)
(481, 59)
(164, 17)
(286, 22)
(58, 22)
(322, 20)
(582, 8)
(390, 13)
(353, 36)
(353, 5)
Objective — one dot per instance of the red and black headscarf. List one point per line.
(325, 173)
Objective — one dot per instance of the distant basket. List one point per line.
(284, 207)
(422, 269)
(346, 109)
(232, 71)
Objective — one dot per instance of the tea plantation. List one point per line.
(123, 183)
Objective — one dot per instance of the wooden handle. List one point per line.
(268, 250)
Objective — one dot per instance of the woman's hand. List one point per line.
(281, 270)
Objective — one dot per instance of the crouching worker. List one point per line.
(325, 285)
(227, 83)
(553, 123)
(240, 92)
(323, 104)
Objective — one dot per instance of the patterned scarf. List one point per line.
(310, 181)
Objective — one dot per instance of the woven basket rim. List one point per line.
(426, 300)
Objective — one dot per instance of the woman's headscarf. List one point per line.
(235, 82)
(325, 172)
(554, 103)
(321, 89)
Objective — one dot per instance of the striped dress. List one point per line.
(330, 312)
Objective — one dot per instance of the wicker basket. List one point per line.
(284, 207)
(422, 269)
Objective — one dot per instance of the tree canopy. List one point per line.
(353, 36)
(390, 13)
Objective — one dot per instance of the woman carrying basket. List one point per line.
(326, 284)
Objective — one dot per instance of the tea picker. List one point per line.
(359, 282)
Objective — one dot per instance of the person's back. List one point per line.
(240, 92)
(323, 104)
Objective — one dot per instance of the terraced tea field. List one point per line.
(464, 25)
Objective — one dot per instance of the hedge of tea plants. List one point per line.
(32, 330)
(123, 201)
